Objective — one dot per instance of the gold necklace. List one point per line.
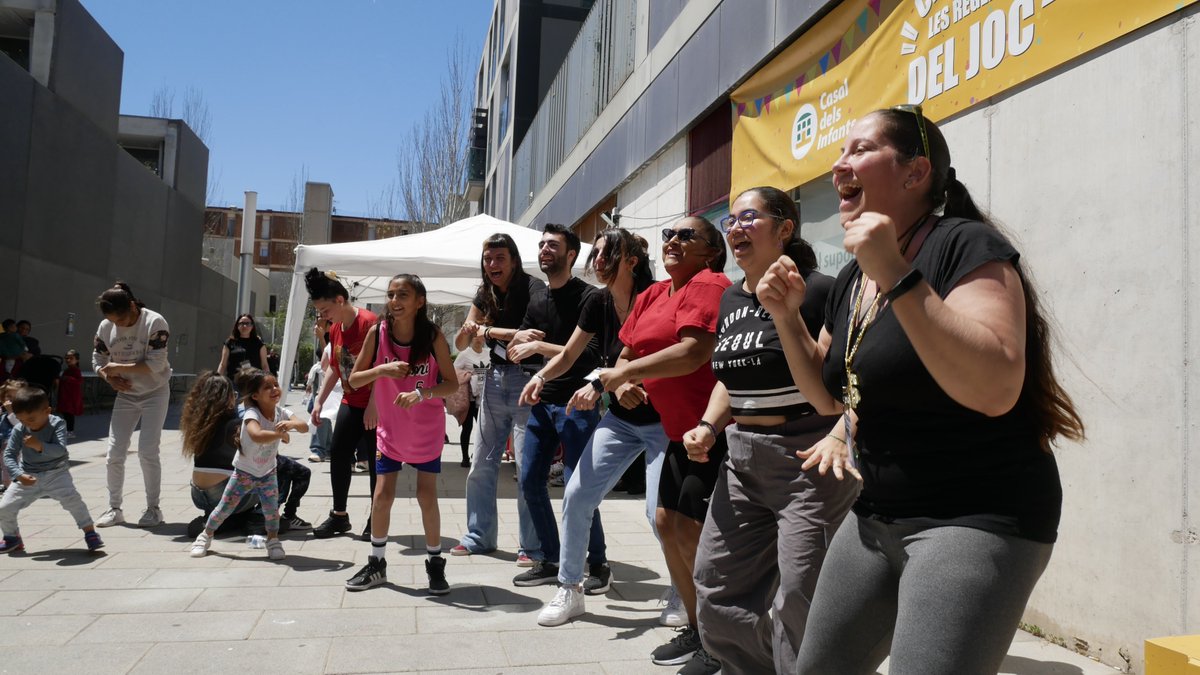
(850, 394)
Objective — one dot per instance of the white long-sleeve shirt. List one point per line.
(143, 342)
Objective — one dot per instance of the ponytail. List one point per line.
(118, 300)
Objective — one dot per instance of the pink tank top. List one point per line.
(414, 435)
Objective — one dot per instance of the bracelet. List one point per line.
(422, 393)
(540, 377)
(707, 425)
(487, 333)
(598, 385)
(907, 282)
(839, 440)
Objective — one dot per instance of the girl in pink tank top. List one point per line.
(408, 360)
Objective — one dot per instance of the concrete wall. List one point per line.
(79, 212)
(655, 198)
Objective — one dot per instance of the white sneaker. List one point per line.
(110, 517)
(566, 605)
(674, 614)
(151, 517)
(275, 550)
(200, 546)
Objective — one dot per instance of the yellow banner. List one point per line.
(790, 118)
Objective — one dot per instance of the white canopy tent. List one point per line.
(446, 259)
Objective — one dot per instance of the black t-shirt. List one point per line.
(244, 350)
(749, 358)
(599, 317)
(555, 312)
(221, 447)
(513, 304)
(924, 457)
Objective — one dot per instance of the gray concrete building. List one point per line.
(1087, 164)
(88, 196)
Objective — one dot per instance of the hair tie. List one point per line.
(951, 176)
(330, 274)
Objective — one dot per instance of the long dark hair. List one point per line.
(234, 334)
(118, 300)
(209, 405)
(324, 285)
(779, 204)
(423, 329)
(486, 295)
(1048, 403)
(620, 244)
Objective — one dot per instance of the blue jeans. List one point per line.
(322, 436)
(549, 425)
(499, 415)
(613, 447)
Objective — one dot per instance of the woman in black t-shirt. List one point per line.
(243, 349)
(209, 428)
(630, 427)
(768, 513)
(937, 354)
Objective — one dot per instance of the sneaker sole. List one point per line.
(551, 623)
(524, 563)
(598, 591)
(369, 584)
(675, 661)
(115, 522)
(327, 534)
(441, 591)
(677, 622)
(460, 552)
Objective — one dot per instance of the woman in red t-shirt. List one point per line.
(669, 340)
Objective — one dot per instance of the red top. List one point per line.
(70, 391)
(655, 323)
(347, 343)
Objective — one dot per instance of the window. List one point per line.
(263, 252)
(230, 225)
(266, 227)
(272, 302)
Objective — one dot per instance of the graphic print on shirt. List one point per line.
(99, 347)
(345, 366)
(158, 340)
(740, 341)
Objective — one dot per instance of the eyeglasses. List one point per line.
(916, 110)
(245, 323)
(685, 234)
(744, 220)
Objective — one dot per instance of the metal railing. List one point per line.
(598, 63)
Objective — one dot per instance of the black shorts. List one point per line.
(685, 486)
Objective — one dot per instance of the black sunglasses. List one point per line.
(685, 234)
(916, 110)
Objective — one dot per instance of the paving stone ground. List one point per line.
(145, 606)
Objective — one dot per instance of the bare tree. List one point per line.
(432, 163)
(295, 197)
(195, 112)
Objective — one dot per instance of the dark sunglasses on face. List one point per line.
(685, 234)
(920, 115)
(245, 323)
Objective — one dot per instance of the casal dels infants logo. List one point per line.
(804, 130)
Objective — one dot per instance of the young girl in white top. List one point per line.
(264, 425)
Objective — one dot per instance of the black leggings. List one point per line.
(464, 438)
(348, 434)
(686, 486)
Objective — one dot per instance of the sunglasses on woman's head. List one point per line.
(685, 234)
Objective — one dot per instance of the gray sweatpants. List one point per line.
(943, 600)
(55, 484)
(762, 546)
(151, 410)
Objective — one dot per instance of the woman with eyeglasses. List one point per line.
(243, 349)
(935, 351)
(669, 339)
(768, 513)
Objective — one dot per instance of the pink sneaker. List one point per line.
(524, 560)
(460, 550)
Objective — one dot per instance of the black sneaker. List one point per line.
(372, 574)
(284, 525)
(297, 523)
(701, 663)
(196, 526)
(333, 525)
(599, 579)
(366, 533)
(541, 573)
(435, 569)
(679, 650)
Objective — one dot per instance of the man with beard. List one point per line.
(555, 312)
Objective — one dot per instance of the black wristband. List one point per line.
(907, 283)
(709, 426)
(598, 385)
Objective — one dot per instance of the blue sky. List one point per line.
(333, 86)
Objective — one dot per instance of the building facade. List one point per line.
(1082, 143)
(88, 196)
